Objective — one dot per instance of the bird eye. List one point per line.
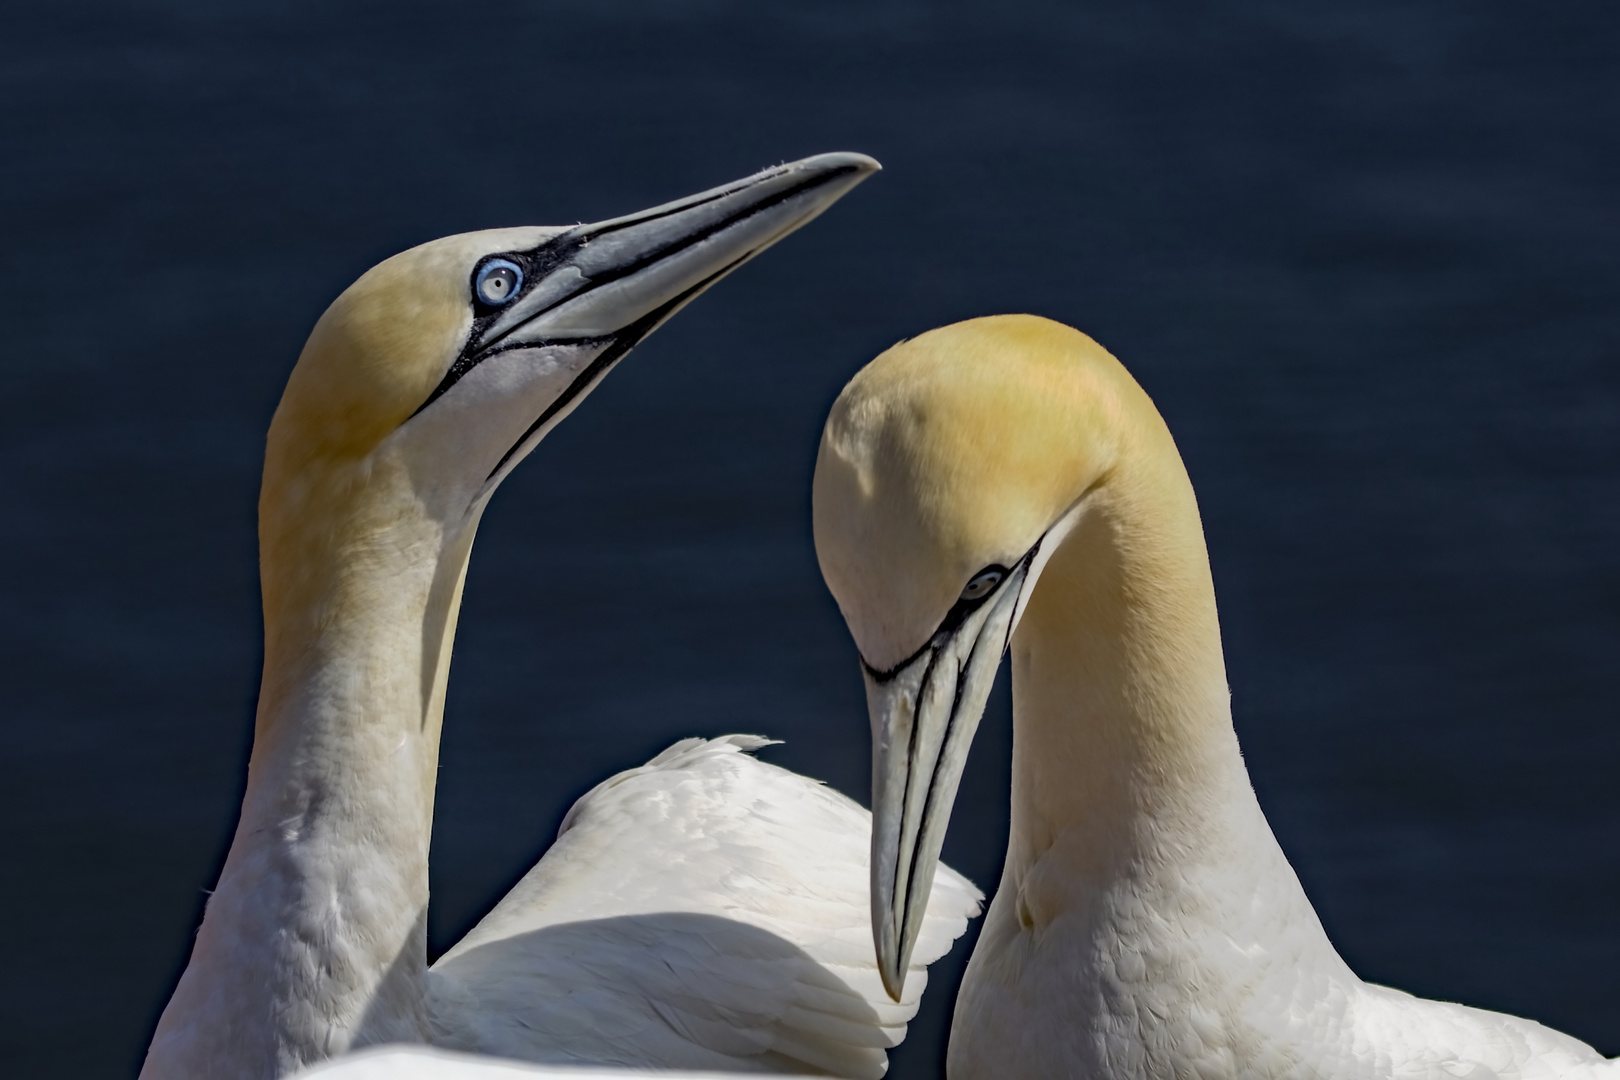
(980, 586)
(497, 281)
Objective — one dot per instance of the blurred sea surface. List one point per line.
(1366, 259)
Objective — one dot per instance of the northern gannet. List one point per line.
(703, 911)
(1004, 481)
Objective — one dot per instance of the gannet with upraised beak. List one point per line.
(1005, 480)
(703, 911)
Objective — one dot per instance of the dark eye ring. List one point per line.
(982, 583)
(497, 281)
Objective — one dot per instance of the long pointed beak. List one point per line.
(631, 273)
(924, 714)
(600, 289)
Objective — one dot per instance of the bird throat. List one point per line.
(318, 921)
(1122, 722)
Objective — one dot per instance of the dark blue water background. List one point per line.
(1366, 258)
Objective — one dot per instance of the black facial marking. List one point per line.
(954, 617)
(948, 626)
(619, 343)
(933, 781)
(538, 263)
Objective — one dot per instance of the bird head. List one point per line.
(461, 354)
(950, 468)
(433, 375)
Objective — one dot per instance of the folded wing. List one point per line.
(704, 911)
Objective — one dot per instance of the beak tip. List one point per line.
(894, 982)
(861, 165)
(891, 967)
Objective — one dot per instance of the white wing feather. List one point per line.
(420, 1063)
(704, 911)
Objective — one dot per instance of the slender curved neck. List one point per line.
(315, 938)
(1142, 882)
(1123, 743)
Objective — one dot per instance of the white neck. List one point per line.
(314, 940)
(1123, 740)
(1142, 882)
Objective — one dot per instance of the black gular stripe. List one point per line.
(540, 262)
(954, 617)
(618, 343)
(905, 795)
(950, 728)
(579, 238)
(949, 625)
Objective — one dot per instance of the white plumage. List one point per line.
(1003, 484)
(420, 1063)
(704, 911)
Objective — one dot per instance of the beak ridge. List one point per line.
(607, 286)
(924, 716)
(614, 274)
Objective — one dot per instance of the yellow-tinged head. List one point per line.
(433, 375)
(952, 453)
(508, 329)
(384, 344)
(950, 470)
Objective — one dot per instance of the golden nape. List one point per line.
(1004, 485)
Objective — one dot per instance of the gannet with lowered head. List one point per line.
(1005, 480)
(701, 911)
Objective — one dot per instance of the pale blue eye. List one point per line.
(982, 583)
(497, 281)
